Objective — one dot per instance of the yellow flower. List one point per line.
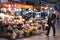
(27, 31)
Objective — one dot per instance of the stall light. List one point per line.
(34, 9)
(51, 8)
(17, 9)
(2, 15)
(29, 8)
(4, 9)
(20, 9)
(46, 8)
(42, 7)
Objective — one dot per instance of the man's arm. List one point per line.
(53, 18)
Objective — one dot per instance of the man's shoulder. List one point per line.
(54, 14)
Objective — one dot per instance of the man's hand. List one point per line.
(52, 21)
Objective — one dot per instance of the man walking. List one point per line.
(51, 23)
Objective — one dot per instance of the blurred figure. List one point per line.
(43, 14)
(51, 23)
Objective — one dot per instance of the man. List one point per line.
(51, 22)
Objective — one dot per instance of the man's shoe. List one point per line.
(53, 35)
(47, 35)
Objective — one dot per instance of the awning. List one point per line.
(18, 5)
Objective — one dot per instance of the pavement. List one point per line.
(42, 36)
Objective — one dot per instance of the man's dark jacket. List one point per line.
(52, 18)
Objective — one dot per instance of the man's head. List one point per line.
(52, 12)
